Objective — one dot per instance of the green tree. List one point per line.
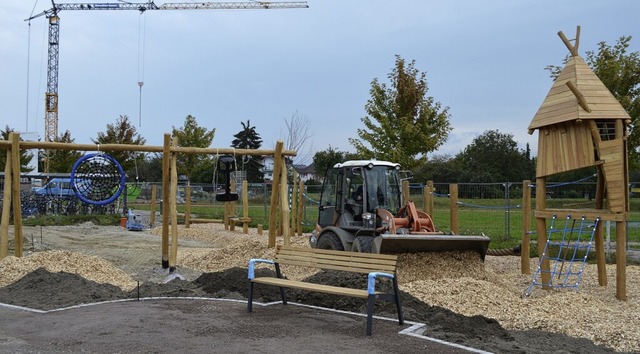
(619, 71)
(62, 161)
(25, 155)
(323, 160)
(495, 157)
(402, 123)
(192, 135)
(122, 132)
(248, 138)
(440, 169)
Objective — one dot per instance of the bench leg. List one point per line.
(283, 295)
(370, 304)
(398, 306)
(250, 300)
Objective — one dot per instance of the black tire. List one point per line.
(330, 241)
(362, 244)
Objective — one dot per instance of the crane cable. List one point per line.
(141, 46)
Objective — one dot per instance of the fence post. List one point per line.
(453, 205)
(428, 198)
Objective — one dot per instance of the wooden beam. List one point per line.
(273, 211)
(165, 200)
(174, 212)
(582, 101)
(17, 203)
(453, 208)
(284, 204)
(6, 211)
(52, 145)
(541, 229)
(525, 250)
(621, 260)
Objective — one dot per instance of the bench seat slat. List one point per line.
(348, 258)
(313, 287)
(315, 251)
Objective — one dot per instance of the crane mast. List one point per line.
(51, 96)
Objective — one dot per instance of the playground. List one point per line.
(459, 298)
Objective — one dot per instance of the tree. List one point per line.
(619, 71)
(495, 157)
(323, 160)
(62, 161)
(298, 136)
(192, 135)
(122, 132)
(25, 156)
(440, 168)
(402, 124)
(248, 138)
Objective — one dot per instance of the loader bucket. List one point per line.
(391, 244)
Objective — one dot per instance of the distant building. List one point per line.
(305, 172)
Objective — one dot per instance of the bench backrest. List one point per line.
(337, 260)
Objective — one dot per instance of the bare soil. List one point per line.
(86, 264)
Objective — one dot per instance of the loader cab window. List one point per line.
(329, 197)
(383, 188)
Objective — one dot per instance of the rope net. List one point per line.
(97, 179)
(566, 250)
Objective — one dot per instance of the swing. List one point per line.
(226, 164)
(97, 179)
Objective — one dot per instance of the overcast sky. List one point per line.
(484, 60)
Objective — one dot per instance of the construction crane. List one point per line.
(51, 96)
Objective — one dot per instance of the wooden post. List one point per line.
(187, 207)
(15, 179)
(273, 211)
(428, 198)
(245, 207)
(300, 207)
(284, 204)
(6, 211)
(621, 260)
(260, 229)
(294, 204)
(152, 218)
(406, 196)
(601, 260)
(525, 251)
(541, 228)
(174, 212)
(453, 206)
(165, 200)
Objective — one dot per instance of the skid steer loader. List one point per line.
(361, 210)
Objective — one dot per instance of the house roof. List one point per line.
(589, 98)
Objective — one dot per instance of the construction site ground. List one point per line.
(103, 290)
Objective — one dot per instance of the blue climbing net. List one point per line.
(566, 251)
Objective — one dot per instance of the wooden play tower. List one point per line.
(581, 124)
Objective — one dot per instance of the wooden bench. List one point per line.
(375, 265)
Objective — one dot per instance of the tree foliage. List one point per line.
(619, 71)
(25, 156)
(248, 138)
(62, 161)
(122, 132)
(495, 157)
(323, 160)
(402, 123)
(192, 135)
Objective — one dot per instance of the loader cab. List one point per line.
(354, 189)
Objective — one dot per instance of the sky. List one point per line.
(484, 60)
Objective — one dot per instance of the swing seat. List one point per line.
(227, 197)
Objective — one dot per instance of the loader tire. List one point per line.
(362, 244)
(330, 241)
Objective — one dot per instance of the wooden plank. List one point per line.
(340, 253)
(313, 287)
(591, 214)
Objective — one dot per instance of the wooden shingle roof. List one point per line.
(591, 100)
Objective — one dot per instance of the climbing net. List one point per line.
(561, 249)
(97, 179)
